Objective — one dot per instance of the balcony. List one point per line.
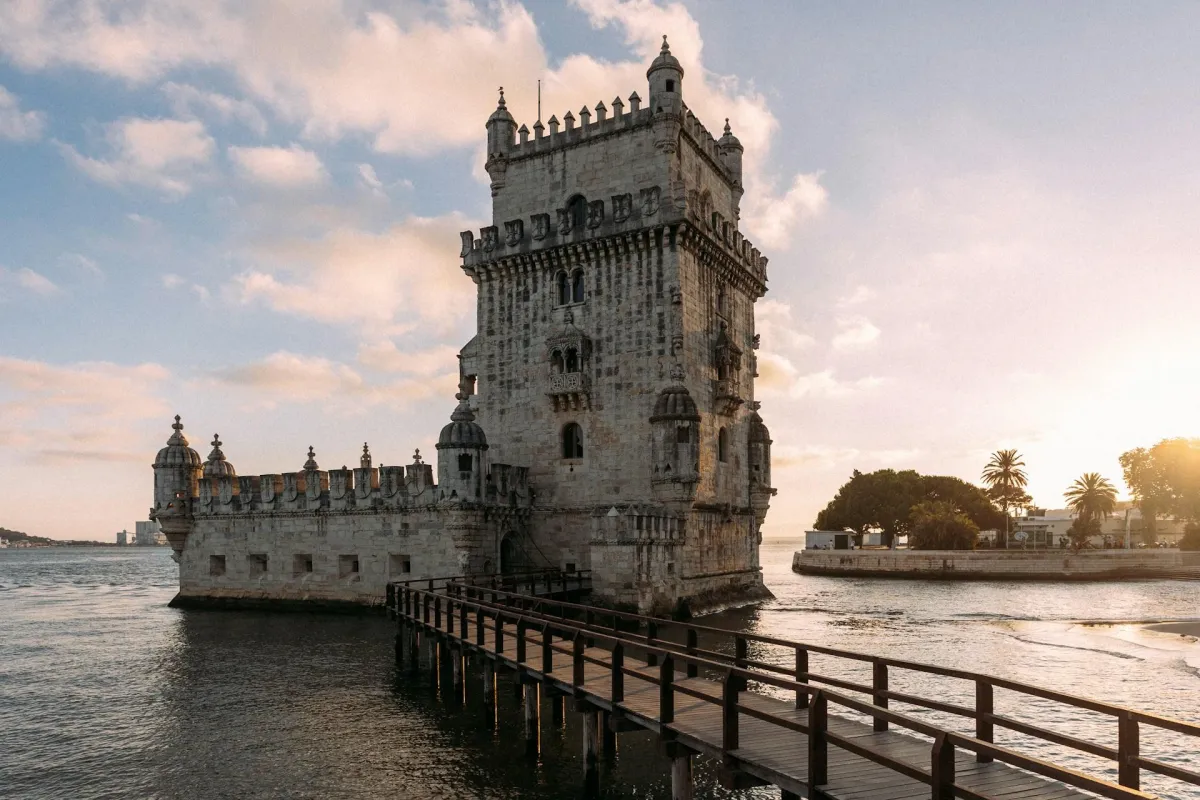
(570, 391)
(727, 396)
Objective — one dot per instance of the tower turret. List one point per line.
(462, 445)
(675, 444)
(217, 466)
(731, 151)
(666, 82)
(501, 138)
(759, 449)
(177, 469)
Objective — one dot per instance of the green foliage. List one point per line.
(1005, 478)
(1191, 537)
(938, 525)
(884, 499)
(1165, 479)
(1092, 496)
(1082, 529)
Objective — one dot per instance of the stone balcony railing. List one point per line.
(570, 391)
(727, 395)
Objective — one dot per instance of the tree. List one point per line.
(884, 499)
(1146, 482)
(1081, 530)
(1092, 497)
(1191, 537)
(1006, 480)
(938, 525)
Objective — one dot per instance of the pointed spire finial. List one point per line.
(178, 425)
(365, 461)
(501, 103)
(311, 464)
(216, 442)
(728, 130)
(417, 456)
(666, 50)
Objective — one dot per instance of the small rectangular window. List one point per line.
(302, 564)
(347, 566)
(256, 564)
(670, 86)
(216, 566)
(570, 566)
(399, 565)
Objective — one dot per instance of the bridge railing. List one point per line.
(550, 579)
(651, 634)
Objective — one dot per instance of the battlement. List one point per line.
(617, 215)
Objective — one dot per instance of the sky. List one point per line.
(980, 219)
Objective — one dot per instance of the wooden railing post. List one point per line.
(941, 773)
(449, 616)
(666, 691)
(618, 673)
(462, 620)
(547, 652)
(801, 677)
(428, 603)
(521, 640)
(693, 669)
(741, 651)
(983, 722)
(1128, 751)
(390, 602)
(577, 664)
(730, 688)
(879, 682)
(499, 633)
(479, 626)
(818, 743)
(651, 635)
(437, 611)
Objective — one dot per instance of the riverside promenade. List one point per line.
(794, 715)
(1022, 565)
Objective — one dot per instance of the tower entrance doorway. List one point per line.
(508, 554)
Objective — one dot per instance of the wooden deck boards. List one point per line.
(767, 751)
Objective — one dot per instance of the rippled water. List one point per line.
(105, 692)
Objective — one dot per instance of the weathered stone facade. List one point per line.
(614, 358)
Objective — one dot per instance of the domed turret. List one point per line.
(461, 461)
(759, 441)
(311, 464)
(731, 151)
(666, 82)
(675, 403)
(501, 138)
(177, 469)
(217, 466)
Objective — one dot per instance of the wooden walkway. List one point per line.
(757, 739)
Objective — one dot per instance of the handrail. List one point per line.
(942, 766)
(1126, 755)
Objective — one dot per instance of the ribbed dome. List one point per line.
(665, 60)
(675, 402)
(462, 430)
(758, 430)
(217, 466)
(177, 453)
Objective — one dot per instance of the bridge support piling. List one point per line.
(609, 735)
(591, 741)
(557, 704)
(682, 784)
(456, 666)
(489, 682)
(531, 717)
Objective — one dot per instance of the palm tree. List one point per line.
(1006, 479)
(1091, 496)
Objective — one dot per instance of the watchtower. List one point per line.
(615, 349)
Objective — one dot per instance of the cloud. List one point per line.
(190, 101)
(779, 332)
(172, 281)
(162, 154)
(387, 282)
(82, 263)
(285, 377)
(773, 217)
(778, 377)
(855, 333)
(385, 356)
(860, 295)
(282, 167)
(30, 281)
(15, 124)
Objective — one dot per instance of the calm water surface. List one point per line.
(107, 693)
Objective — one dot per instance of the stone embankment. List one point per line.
(999, 565)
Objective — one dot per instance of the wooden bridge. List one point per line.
(757, 705)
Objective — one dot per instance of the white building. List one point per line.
(147, 534)
(841, 540)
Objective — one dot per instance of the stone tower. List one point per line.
(615, 350)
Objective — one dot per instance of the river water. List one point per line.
(107, 693)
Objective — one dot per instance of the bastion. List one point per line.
(606, 417)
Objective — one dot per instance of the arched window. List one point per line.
(577, 209)
(577, 286)
(722, 370)
(572, 440)
(556, 362)
(723, 445)
(564, 289)
(572, 363)
(464, 462)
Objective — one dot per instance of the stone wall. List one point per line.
(985, 565)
